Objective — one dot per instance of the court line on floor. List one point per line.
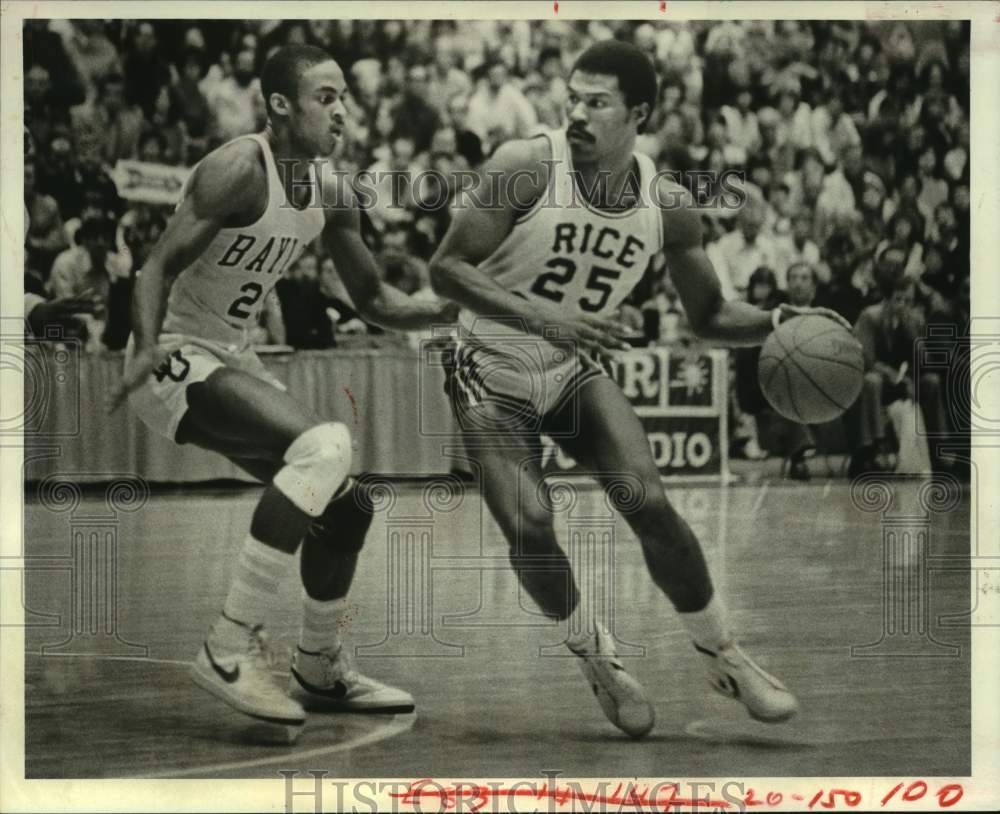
(399, 724)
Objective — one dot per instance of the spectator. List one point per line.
(796, 247)
(841, 294)
(110, 119)
(146, 72)
(551, 92)
(446, 80)
(803, 283)
(236, 101)
(43, 114)
(391, 181)
(46, 238)
(498, 111)
(307, 324)
(833, 129)
(888, 333)
(741, 122)
(91, 52)
(89, 270)
(189, 100)
(415, 116)
(43, 48)
(739, 253)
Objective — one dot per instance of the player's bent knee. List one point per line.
(316, 463)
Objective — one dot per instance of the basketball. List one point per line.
(811, 369)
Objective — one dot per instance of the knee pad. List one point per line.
(316, 463)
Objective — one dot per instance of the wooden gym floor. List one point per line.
(802, 568)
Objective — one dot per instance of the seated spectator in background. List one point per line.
(75, 175)
(91, 52)
(904, 233)
(165, 122)
(840, 294)
(832, 127)
(498, 111)
(43, 112)
(796, 247)
(446, 79)
(146, 71)
(43, 48)
(888, 333)
(741, 122)
(803, 283)
(89, 270)
(46, 238)
(737, 254)
(933, 188)
(302, 308)
(836, 207)
(53, 319)
(415, 116)
(111, 120)
(236, 101)
(774, 433)
(549, 99)
(189, 101)
(391, 183)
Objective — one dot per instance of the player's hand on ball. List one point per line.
(144, 362)
(787, 312)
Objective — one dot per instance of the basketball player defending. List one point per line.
(551, 260)
(247, 212)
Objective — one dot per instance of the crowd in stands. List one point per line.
(852, 138)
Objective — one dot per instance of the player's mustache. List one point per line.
(575, 130)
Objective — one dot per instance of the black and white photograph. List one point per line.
(499, 406)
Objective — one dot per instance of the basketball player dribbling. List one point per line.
(247, 212)
(580, 215)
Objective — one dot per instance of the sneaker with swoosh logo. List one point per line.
(621, 697)
(328, 682)
(733, 674)
(241, 677)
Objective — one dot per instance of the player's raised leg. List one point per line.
(510, 469)
(234, 410)
(611, 442)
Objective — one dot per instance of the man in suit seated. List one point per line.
(888, 332)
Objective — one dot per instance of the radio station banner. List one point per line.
(149, 183)
(681, 400)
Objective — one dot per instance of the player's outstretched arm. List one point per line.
(376, 301)
(712, 317)
(478, 228)
(228, 183)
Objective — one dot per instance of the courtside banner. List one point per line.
(680, 397)
(149, 183)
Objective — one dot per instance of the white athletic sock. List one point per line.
(259, 569)
(322, 623)
(709, 627)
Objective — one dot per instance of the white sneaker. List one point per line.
(327, 681)
(732, 673)
(620, 696)
(239, 672)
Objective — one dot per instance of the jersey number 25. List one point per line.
(564, 270)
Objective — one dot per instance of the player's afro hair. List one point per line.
(634, 70)
(284, 67)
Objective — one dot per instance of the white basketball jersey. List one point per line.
(220, 294)
(565, 252)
